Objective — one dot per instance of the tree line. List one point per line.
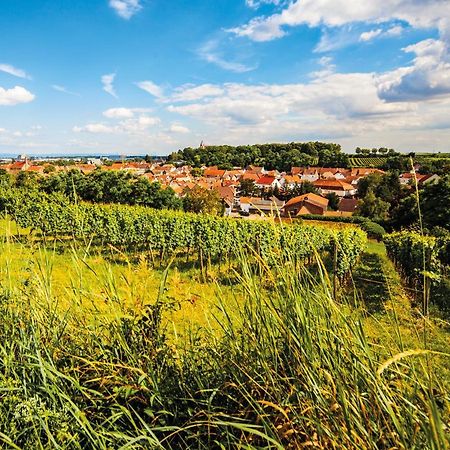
(111, 186)
(281, 157)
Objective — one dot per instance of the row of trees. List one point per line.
(374, 151)
(271, 156)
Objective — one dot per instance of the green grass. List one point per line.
(96, 354)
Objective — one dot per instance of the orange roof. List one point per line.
(333, 185)
(313, 198)
(267, 180)
(213, 172)
(292, 179)
(250, 176)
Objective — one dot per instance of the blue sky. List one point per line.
(151, 76)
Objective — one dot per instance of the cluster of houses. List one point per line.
(341, 182)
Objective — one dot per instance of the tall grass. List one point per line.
(290, 368)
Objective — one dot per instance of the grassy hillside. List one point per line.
(102, 350)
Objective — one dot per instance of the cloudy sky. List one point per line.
(152, 76)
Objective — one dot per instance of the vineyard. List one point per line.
(181, 234)
(423, 262)
(101, 353)
(375, 161)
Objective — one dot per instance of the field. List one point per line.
(104, 348)
(375, 161)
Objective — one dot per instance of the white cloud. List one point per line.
(327, 67)
(396, 30)
(369, 35)
(151, 88)
(209, 53)
(11, 70)
(331, 97)
(118, 113)
(59, 88)
(191, 92)
(14, 96)
(124, 113)
(95, 128)
(177, 128)
(428, 77)
(129, 125)
(255, 4)
(108, 84)
(125, 8)
(379, 32)
(335, 13)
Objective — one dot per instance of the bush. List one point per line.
(373, 230)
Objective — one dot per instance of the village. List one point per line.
(250, 192)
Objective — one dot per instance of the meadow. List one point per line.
(106, 349)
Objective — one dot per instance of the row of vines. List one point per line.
(369, 161)
(174, 232)
(423, 262)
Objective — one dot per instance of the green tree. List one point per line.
(333, 201)
(50, 168)
(247, 188)
(5, 179)
(197, 172)
(200, 200)
(372, 207)
(406, 213)
(26, 180)
(435, 201)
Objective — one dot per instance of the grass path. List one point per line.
(391, 318)
(376, 280)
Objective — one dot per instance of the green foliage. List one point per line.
(372, 207)
(373, 230)
(333, 201)
(272, 156)
(435, 203)
(422, 260)
(172, 232)
(247, 188)
(294, 369)
(203, 201)
(6, 179)
(110, 186)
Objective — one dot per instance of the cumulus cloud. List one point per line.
(335, 13)
(15, 95)
(177, 128)
(14, 71)
(95, 128)
(108, 84)
(125, 8)
(123, 113)
(428, 77)
(151, 88)
(336, 96)
(123, 121)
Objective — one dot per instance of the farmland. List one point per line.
(375, 161)
(113, 338)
